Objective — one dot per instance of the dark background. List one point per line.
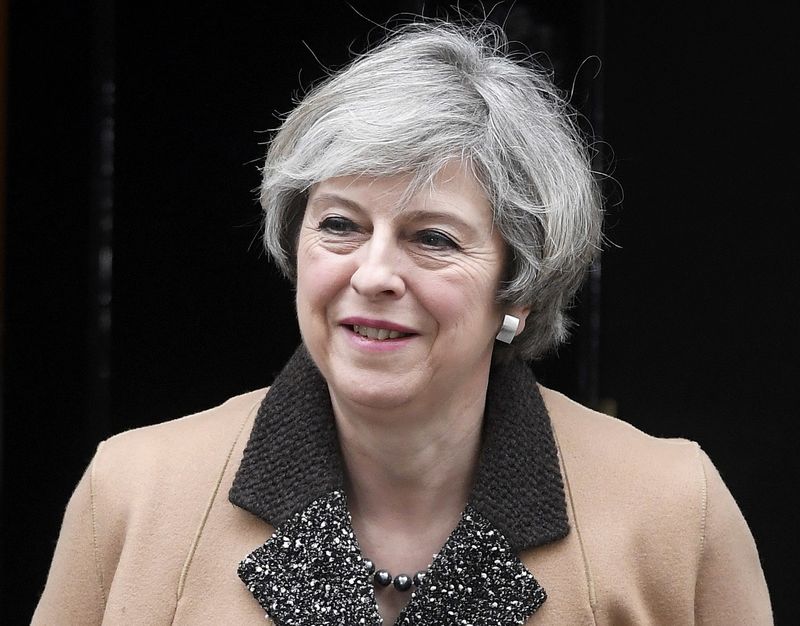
(696, 301)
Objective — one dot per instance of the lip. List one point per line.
(375, 323)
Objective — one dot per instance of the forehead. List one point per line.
(453, 191)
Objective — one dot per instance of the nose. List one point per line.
(377, 273)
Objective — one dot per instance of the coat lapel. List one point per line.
(311, 571)
(475, 579)
(311, 568)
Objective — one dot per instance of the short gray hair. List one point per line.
(432, 93)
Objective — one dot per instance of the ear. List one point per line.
(521, 313)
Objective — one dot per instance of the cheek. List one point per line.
(320, 276)
(462, 300)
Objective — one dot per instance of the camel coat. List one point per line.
(634, 529)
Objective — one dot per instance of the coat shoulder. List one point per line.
(619, 477)
(608, 443)
(173, 461)
(134, 519)
(186, 438)
(658, 531)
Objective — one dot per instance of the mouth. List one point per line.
(377, 334)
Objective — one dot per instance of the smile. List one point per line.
(379, 334)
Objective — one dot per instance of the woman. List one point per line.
(434, 206)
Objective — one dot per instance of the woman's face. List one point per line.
(399, 303)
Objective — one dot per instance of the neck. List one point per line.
(409, 473)
(409, 467)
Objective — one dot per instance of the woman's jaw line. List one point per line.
(408, 434)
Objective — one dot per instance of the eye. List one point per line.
(436, 239)
(338, 225)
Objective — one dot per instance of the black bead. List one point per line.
(383, 578)
(369, 565)
(402, 582)
(418, 578)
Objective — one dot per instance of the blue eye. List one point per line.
(337, 224)
(436, 239)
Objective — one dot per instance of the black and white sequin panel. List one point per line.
(475, 580)
(311, 572)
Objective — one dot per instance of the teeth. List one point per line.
(378, 334)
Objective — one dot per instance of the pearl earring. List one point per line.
(509, 329)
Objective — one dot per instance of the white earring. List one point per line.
(509, 329)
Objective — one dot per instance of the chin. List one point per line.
(375, 398)
(366, 389)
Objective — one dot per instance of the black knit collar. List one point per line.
(293, 458)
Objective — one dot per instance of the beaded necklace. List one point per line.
(401, 582)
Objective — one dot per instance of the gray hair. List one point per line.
(436, 92)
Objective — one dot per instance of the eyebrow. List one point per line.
(411, 214)
(444, 216)
(325, 198)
